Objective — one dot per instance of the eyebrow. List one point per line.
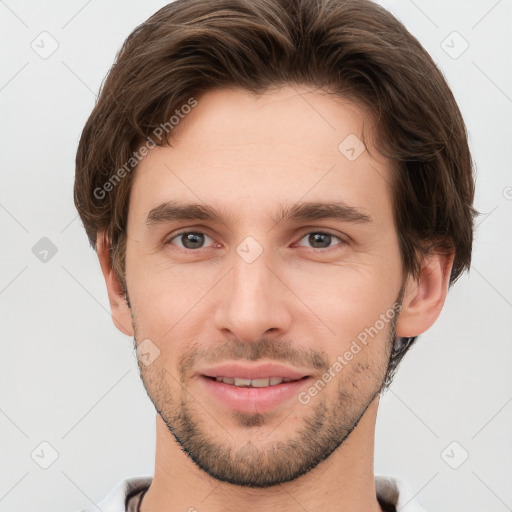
(305, 211)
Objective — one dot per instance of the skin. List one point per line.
(248, 155)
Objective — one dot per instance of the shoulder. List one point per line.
(116, 498)
(396, 492)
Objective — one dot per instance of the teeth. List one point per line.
(255, 383)
(226, 380)
(260, 383)
(242, 382)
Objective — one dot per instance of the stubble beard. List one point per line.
(322, 430)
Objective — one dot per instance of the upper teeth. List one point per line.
(256, 383)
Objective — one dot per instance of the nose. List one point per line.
(254, 301)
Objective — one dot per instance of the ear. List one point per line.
(121, 314)
(424, 296)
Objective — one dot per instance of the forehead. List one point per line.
(290, 115)
(246, 151)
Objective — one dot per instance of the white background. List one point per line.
(70, 379)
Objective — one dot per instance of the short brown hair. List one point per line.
(352, 48)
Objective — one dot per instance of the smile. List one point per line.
(254, 383)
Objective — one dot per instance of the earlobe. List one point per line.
(424, 296)
(121, 314)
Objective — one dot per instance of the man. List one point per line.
(280, 194)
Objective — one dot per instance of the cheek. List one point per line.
(167, 301)
(343, 300)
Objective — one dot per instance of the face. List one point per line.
(263, 270)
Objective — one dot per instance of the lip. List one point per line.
(259, 371)
(253, 400)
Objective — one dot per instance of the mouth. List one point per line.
(253, 388)
(255, 383)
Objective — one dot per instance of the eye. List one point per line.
(190, 239)
(320, 240)
(194, 240)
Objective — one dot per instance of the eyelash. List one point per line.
(323, 250)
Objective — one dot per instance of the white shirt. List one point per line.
(389, 489)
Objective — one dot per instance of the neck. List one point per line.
(342, 482)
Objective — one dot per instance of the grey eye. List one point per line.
(191, 239)
(319, 240)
